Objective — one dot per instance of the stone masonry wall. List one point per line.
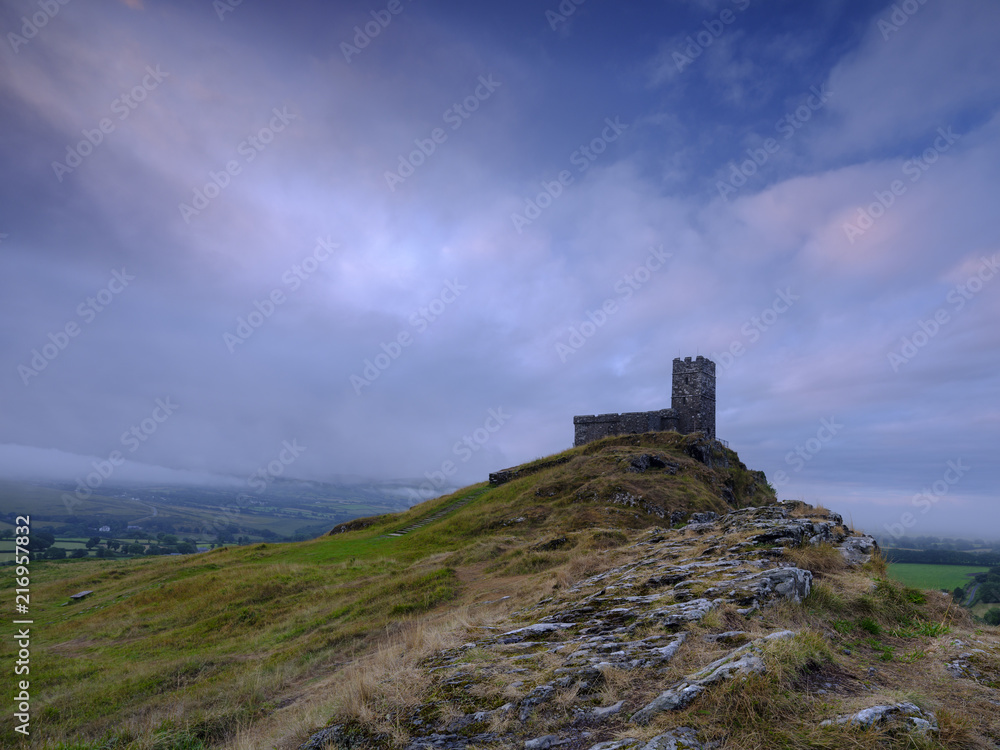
(692, 408)
(591, 428)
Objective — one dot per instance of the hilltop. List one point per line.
(620, 591)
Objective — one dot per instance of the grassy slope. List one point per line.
(257, 647)
(221, 638)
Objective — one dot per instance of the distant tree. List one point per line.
(168, 539)
(104, 552)
(186, 548)
(41, 541)
(989, 592)
(93, 542)
(993, 616)
(78, 553)
(55, 553)
(958, 593)
(135, 549)
(114, 544)
(153, 549)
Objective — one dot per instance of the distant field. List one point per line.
(982, 608)
(7, 547)
(936, 577)
(287, 508)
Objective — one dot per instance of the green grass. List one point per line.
(225, 633)
(935, 577)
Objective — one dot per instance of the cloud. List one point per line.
(913, 74)
(495, 345)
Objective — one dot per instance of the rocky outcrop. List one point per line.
(676, 739)
(908, 715)
(509, 475)
(739, 663)
(636, 618)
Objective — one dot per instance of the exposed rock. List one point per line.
(599, 714)
(535, 698)
(647, 461)
(684, 612)
(633, 617)
(552, 544)
(628, 743)
(341, 738)
(909, 714)
(975, 665)
(706, 517)
(508, 475)
(356, 525)
(786, 583)
(677, 697)
(681, 738)
(748, 664)
(445, 742)
(740, 662)
(858, 549)
(707, 452)
(541, 743)
(541, 627)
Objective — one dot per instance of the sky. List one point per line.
(414, 239)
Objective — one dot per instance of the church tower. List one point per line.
(693, 396)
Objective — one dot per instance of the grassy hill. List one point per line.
(262, 646)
